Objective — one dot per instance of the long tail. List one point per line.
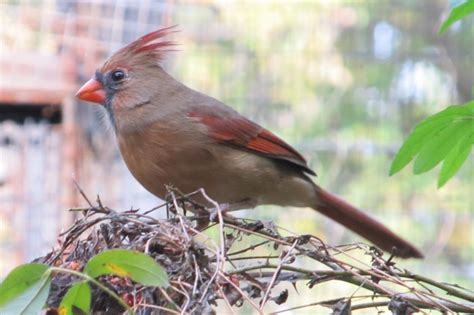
(360, 223)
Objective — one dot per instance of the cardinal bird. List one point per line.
(169, 134)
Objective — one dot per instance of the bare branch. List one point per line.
(203, 270)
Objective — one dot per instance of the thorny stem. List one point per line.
(446, 287)
(236, 287)
(256, 257)
(353, 307)
(369, 276)
(251, 247)
(341, 275)
(81, 192)
(357, 279)
(291, 268)
(345, 275)
(161, 308)
(380, 273)
(349, 276)
(276, 274)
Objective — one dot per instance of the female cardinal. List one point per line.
(169, 134)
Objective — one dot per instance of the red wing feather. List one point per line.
(245, 134)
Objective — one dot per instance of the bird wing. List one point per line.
(244, 134)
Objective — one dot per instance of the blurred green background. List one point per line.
(342, 81)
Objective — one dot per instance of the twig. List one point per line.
(82, 192)
(226, 300)
(320, 303)
(157, 307)
(251, 247)
(275, 275)
(255, 306)
(446, 287)
(196, 262)
(170, 300)
(95, 282)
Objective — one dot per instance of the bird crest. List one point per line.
(149, 45)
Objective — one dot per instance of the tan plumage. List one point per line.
(169, 134)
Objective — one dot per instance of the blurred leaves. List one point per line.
(456, 14)
(447, 135)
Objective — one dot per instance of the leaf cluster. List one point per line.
(447, 136)
(456, 14)
(26, 288)
(243, 265)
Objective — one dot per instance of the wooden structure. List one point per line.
(47, 49)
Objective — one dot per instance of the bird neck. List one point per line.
(153, 101)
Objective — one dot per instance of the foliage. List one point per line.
(457, 13)
(234, 263)
(77, 297)
(246, 263)
(135, 265)
(307, 71)
(447, 135)
(26, 288)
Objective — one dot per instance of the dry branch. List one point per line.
(204, 271)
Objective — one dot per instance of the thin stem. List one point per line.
(369, 305)
(96, 283)
(252, 247)
(448, 288)
(255, 257)
(157, 307)
(276, 274)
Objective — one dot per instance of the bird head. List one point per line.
(130, 78)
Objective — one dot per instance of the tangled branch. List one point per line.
(205, 270)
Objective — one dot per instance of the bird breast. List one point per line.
(183, 156)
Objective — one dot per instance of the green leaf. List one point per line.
(455, 159)
(411, 147)
(456, 14)
(438, 147)
(447, 135)
(78, 297)
(19, 280)
(426, 129)
(125, 263)
(29, 301)
(470, 105)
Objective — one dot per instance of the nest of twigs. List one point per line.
(205, 272)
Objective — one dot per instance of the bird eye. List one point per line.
(117, 75)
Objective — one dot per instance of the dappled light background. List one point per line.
(342, 81)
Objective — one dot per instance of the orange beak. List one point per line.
(92, 91)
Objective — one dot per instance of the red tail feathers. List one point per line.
(360, 223)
